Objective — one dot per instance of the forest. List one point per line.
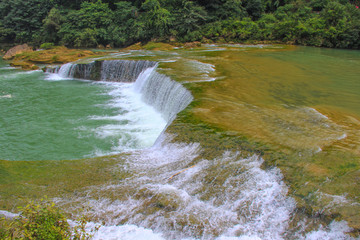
(84, 23)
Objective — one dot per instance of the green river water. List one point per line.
(47, 118)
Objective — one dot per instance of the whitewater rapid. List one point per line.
(169, 196)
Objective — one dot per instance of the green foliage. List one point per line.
(42, 220)
(318, 5)
(87, 26)
(38, 221)
(51, 26)
(255, 8)
(47, 46)
(24, 18)
(232, 30)
(157, 19)
(127, 27)
(188, 19)
(83, 23)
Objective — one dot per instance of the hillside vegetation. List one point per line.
(81, 23)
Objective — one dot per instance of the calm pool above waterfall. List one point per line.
(46, 117)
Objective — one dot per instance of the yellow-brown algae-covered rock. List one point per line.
(17, 50)
(24, 65)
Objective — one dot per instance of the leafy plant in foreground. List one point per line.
(42, 220)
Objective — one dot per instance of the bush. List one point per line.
(42, 221)
(47, 46)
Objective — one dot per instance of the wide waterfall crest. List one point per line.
(107, 70)
(166, 95)
(124, 70)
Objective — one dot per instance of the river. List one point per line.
(267, 149)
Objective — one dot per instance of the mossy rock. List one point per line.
(56, 55)
(24, 65)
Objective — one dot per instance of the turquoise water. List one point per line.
(43, 117)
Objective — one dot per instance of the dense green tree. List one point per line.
(127, 27)
(255, 8)
(188, 19)
(232, 9)
(22, 20)
(51, 27)
(87, 26)
(224, 9)
(156, 18)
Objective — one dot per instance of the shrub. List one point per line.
(47, 46)
(42, 221)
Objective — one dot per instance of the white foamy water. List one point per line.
(166, 95)
(170, 195)
(335, 231)
(65, 70)
(7, 68)
(202, 67)
(125, 232)
(6, 96)
(202, 71)
(7, 214)
(136, 126)
(63, 73)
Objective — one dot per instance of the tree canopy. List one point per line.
(89, 23)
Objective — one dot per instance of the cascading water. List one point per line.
(167, 96)
(107, 70)
(170, 195)
(198, 203)
(122, 70)
(226, 198)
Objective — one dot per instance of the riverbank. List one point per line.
(60, 55)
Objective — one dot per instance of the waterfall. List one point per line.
(126, 71)
(108, 70)
(65, 70)
(164, 94)
(167, 96)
